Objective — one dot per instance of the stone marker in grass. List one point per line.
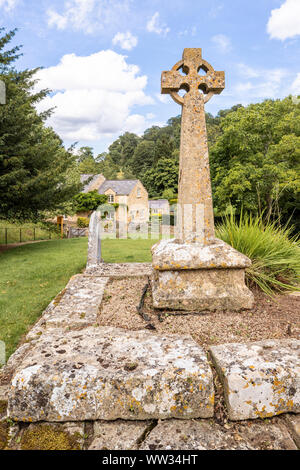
(94, 244)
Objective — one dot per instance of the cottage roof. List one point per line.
(122, 187)
(88, 184)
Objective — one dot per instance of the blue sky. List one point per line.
(103, 58)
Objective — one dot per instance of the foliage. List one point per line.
(156, 151)
(83, 222)
(33, 161)
(274, 253)
(84, 202)
(256, 161)
(168, 194)
(163, 176)
(121, 150)
(86, 162)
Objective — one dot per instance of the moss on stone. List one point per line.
(58, 298)
(3, 406)
(3, 435)
(48, 437)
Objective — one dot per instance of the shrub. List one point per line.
(274, 253)
(89, 201)
(83, 222)
(168, 194)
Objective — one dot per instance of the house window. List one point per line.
(111, 198)
(138, 192)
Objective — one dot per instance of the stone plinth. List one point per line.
(104, 373)
(260, 379)
(196, 277)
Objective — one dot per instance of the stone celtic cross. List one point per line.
(195, 209)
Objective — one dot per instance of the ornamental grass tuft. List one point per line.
(274, 252)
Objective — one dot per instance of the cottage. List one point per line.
(128, 197)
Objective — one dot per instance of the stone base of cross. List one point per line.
(196, 271)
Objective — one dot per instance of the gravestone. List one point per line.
(196, 271)
(2, 92)
(94, 243)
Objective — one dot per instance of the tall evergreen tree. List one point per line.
(34, 164)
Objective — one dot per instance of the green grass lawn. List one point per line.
(32, 275)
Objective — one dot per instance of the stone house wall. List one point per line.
(138, 206)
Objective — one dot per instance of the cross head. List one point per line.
(212, 82)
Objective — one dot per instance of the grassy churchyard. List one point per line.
(33, 274)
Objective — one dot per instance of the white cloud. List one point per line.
(94, 95)
(155, 26)
(222, 42)
(163, 98)
(8, 5)
(259, 83)
(188, 32)
(88, 15)
(247, 72)
(126, 40)
(295, 88)
(284, 22)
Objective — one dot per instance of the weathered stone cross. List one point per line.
(195, 209)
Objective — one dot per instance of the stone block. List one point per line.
(109, 373)
(206, 435)
(195, 277)
(260, 379)
(293, 424)
(118, 435)
(79, 305)
(201, 289)
(119, 270)
(173, 255)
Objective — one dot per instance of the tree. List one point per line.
(256, 161)
(163, 176)
(107, 167)
(122, 149)
(86, 162)
(143, 157)
(33, 161)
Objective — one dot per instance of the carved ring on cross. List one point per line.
(179, 99)
(211, 83)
